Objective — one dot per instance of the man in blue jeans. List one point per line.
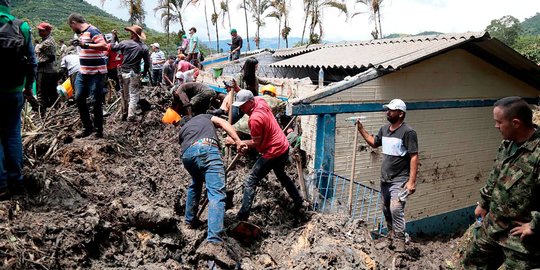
(17, 74)
(202, 159)
(92, 72)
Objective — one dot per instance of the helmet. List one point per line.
(269, 89)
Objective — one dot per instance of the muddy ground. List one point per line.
(117, 203)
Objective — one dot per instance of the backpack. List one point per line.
(12, 51)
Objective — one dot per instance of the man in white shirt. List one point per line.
(158, 60)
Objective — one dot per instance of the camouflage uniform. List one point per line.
(509, 196)
(47, 75)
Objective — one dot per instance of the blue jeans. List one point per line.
(204, 163)
(261, 168)
(86, 85)
(11, 153)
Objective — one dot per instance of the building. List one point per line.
(449, 83)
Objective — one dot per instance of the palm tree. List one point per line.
(171, 11)
(258, 10)
(215, 17)
(307, 7)
(245, 7)
(374, 7)
(224, 5)
(277, 13)
(136, 10)
(286, 29)
(316, 12)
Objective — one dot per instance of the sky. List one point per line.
(397, 16)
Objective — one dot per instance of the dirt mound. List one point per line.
(118, 202)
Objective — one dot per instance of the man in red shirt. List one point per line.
(268, 139)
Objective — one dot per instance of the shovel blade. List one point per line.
(246, 232)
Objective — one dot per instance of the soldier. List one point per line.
(47, 74)
(508, 209)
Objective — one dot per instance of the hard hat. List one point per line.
(269, 88)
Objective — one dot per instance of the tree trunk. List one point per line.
(229, 15)
(247, 28)
(379, 19)
(279, 34)
(308, 6)
(216, 24)
(207, 26)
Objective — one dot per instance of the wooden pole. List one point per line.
(353, 167)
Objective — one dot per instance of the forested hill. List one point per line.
(531, 26)
(56, 13)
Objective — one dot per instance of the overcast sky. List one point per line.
(398, 16)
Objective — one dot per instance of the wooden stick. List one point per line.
(353, 167)
(301, 175)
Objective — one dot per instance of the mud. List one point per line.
(117, 203)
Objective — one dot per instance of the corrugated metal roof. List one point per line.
(398, 53)
(381, 54)
(297, 50)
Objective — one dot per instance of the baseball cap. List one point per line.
(156, 45)
(242, 97)
(396, 104)
(44, 26)
(233, 30)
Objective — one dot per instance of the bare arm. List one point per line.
(367, 137)
(222, 123)
(411, 184)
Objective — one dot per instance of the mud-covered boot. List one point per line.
(218, 253)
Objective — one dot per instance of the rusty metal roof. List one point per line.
(381, 54)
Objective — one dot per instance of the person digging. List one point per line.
(201, 157)
(269, 140)
(190, 99)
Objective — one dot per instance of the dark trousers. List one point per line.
(157, 76)
(261, 168)
(87, 84)
(46, 89)
(113, 75)
(11, 152)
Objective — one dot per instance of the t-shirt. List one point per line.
(134, 52)
(71, 62)
(157, 57)
(193, 44)
(263, 124)
(193, 88)
(236, 42)
(46, 55)
(115, 58)
(198, 127)
(168, 71)
(397, 146)
(92, 61)
(184, 65)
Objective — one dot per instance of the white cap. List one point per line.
(156, 45)
(396, 104)
(242, 97)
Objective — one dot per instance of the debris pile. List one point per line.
(118, 203)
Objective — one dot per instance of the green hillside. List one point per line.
(56, 12)
(531, 26)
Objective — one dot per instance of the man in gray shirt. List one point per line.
(399, 167)
(134, 50)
